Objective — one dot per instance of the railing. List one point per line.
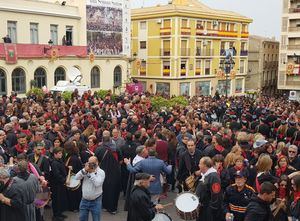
(225, 33)
(198, 71)
(294, 29)
(291, 47)
(185, 52)
(166, 72)
(294, 10)
(182, 72)
(207, 32)
(205, 52)
(222, 52)
(143, 71)
(165, 31)
(185, 31)
(165, 52)
(244, 53)
(245, 34)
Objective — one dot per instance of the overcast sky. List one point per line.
(266, 14)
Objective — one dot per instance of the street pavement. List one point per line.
(121, 215)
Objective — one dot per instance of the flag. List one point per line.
(10, 53)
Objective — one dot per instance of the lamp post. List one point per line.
(227, 65)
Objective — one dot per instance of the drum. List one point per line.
(73, 183)
(187, 206)
(42, 197)
(162, 217)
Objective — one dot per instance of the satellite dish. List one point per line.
(74, 74)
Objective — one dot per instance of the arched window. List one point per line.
(18, 80)
(117, 76)
(95, 77)
(59, 75)
(2, 82)
(40, 77)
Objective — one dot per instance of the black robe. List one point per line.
(112, 182)
(140, 206)
(74, 196)
(15, 212)
(58, 176)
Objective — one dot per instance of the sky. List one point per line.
(266, 14)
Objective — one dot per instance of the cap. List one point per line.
(240, 173)
(259, 143)
(142, 176)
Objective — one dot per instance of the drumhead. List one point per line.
(161, 217)
(73, 182)
(187, 202)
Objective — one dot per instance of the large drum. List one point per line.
(73, 183)
(162, 217)
(187, 205)
(42, 197)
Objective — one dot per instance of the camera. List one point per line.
(92, 166)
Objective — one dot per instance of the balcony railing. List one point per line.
(185, 52)
(165, 52)
(165, 31)
(166, 72)
(291, 47)
(143, 71)
(244, 53)
(245, 34)
(204, 52)
(182, 72)
(186, 31)
(222, 52)
(225, 33)
(294, 29)
(207, 32)
(198, 71)
(294, 10)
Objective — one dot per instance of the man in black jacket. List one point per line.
(140, 206)
(259, 207)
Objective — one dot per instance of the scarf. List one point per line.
(219, 148)
(219, 170)
(280, 171)
(209, 171)
(296, 196)
(21, 149)
(282, 192)
(239, 168)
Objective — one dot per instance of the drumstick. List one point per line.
(167, 205)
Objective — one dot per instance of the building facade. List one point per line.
(179, 47)
(289, 62)
(263, 65)
(47, 38)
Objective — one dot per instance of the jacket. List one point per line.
(258, 210)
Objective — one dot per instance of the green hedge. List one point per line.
(160, 102)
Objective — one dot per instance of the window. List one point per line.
(2, 82)
(163, 88)
(166, 68)
(18, 80)
(239, 86)
(221, 87)
(242, 67)
(166, 48)
(183, 67)
(207, 67)
(59, 75)
(198, 67)
(199, 24)
(95, 77)
(202, 88)
(167, 23)
(34, 33)
(198, 48)
(143, 25)
(184, 23)
(40, 77)
(184, 48)
(69, 36)
(12, 31)
(117, 76)
(53, 34)
(185, 89)
(143, 44)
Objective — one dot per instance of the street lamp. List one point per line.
(296, 58)
(227, 65)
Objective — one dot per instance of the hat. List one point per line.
(142, 176)
(259, 143)
(240, 173)
(40, 144)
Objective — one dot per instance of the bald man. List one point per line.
(93, 178)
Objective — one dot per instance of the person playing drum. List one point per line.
(209, 192)
(140, 206)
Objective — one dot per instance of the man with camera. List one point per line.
(93, 178)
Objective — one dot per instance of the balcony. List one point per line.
(185, 52)
(222, 52)
(204, 52)
(183, 72)
(198, 71)
(294, 47)
(25, 51)
(230, 34)
(207, 32)
(165, 31)
(294, 29)
(165, 52)
(244, 53)
(294, 10)
(245, 34)
(166, 72)
(143, 71)
(185, 31)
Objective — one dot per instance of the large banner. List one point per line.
(108, 27)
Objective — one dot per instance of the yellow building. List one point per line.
(179, 47)
(31, 56)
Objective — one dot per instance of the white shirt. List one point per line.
(137, 159)
(209, 171)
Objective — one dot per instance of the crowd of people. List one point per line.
(239, 156)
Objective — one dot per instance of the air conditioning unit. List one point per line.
(215, 23)
(158, 21)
